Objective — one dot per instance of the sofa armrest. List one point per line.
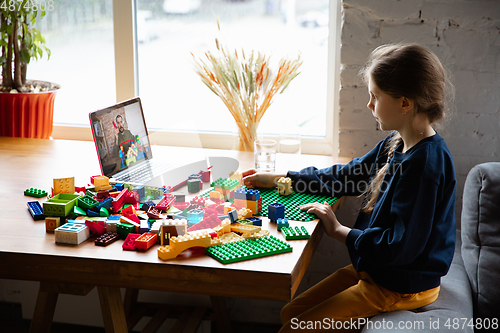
(454, 301)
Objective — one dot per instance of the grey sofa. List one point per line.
(471, 289)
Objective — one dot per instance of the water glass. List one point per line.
(265, 155)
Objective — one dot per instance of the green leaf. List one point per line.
(25, 56)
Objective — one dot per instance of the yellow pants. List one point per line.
(338, 302)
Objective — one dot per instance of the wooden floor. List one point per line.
(12, 322)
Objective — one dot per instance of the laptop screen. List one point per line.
(120, 136)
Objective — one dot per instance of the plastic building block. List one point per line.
(167, 201)
(244, 213)
(195, 176)
(101, 183)
(71, 233)
(281, 223)
(77, 211)
(128, 211)
(248, 249)
(92, 213)
(145, 241)
(119, 186)
(285, 186)
(141, 191)
(144, 226)
(226, 184)
(194, 216)
(34, 192)
(180, 197)
(194, 185)
(198, 201)
(254, 205)
(205, 175)
(230, 237)
(80, 189)
(172, 228)
(129, 242)
(101, 195)
(106, 239)
(52, 223)
(181, 243)
(35, 210)
(86, 202)
(214, 195)
(111, 225)
(244, 229)
(276, 211)
(64, 185)
(255, 235)
(119, 200)
(123, 229)
(60, 205)
(236, 176)
(106, 203)
(233, 215)
(292, 203)
(291, 233)
(103, 212)
(255, 220)
(246, 194)
(96, 227)
(154, 213)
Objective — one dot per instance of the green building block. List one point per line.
(123, 229)
(226, 184)
(292, 202)
(291, 233)
(77, 211)
(60, 205)
(86, 202)
(248, 249)
(34, 192)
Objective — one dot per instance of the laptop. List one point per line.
(124, 150)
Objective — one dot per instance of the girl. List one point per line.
(403, 239)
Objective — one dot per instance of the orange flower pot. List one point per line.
(27, 115)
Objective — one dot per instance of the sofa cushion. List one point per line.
(481, 237)
(454, 301)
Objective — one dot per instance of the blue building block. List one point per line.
(233, 216)
(93, 213)
(246, 194)
(145, 226)
(281, 223)
(276, 211)
(114, 218)
(36, 210)
(119, 186)
(106, 203)
(141, 190)
(257, 221)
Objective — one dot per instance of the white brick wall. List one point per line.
(466, 37)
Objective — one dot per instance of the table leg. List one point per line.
(221, 314)
(113, 313)
(44, 310)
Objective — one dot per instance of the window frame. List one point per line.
(126, 76)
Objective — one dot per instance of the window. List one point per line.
(80, 36)
(83, 43)
(169, 30)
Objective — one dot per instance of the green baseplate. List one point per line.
(248, 249)
(292, 202)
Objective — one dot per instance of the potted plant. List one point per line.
(26, 106)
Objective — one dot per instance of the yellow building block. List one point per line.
(101, 183)
(64, 185)
(243, 213)
(244, 228)
(52, 223)
(258, 234)
(235, 175)
(230, 238)
(285, 186)
(181, 243)
(249, 204)
(216, 195)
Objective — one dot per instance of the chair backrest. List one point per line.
(481, 237)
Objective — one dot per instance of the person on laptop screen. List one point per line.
(124, 140)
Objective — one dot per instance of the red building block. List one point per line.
(119, 200)
(129, 243)
(167, 201)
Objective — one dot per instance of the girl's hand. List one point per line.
(332, 226)
(253, 178)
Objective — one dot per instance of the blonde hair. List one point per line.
(414, 72)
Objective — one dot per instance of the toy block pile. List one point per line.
(250, 199)
(226, 187)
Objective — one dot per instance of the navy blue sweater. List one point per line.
(407, 242)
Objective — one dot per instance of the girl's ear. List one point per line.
(407, 105)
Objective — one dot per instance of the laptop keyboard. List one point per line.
(148, 171)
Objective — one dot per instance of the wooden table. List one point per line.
(27, 252)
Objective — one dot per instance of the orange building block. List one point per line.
(145, 241)
(181, 243)
(52, 223)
